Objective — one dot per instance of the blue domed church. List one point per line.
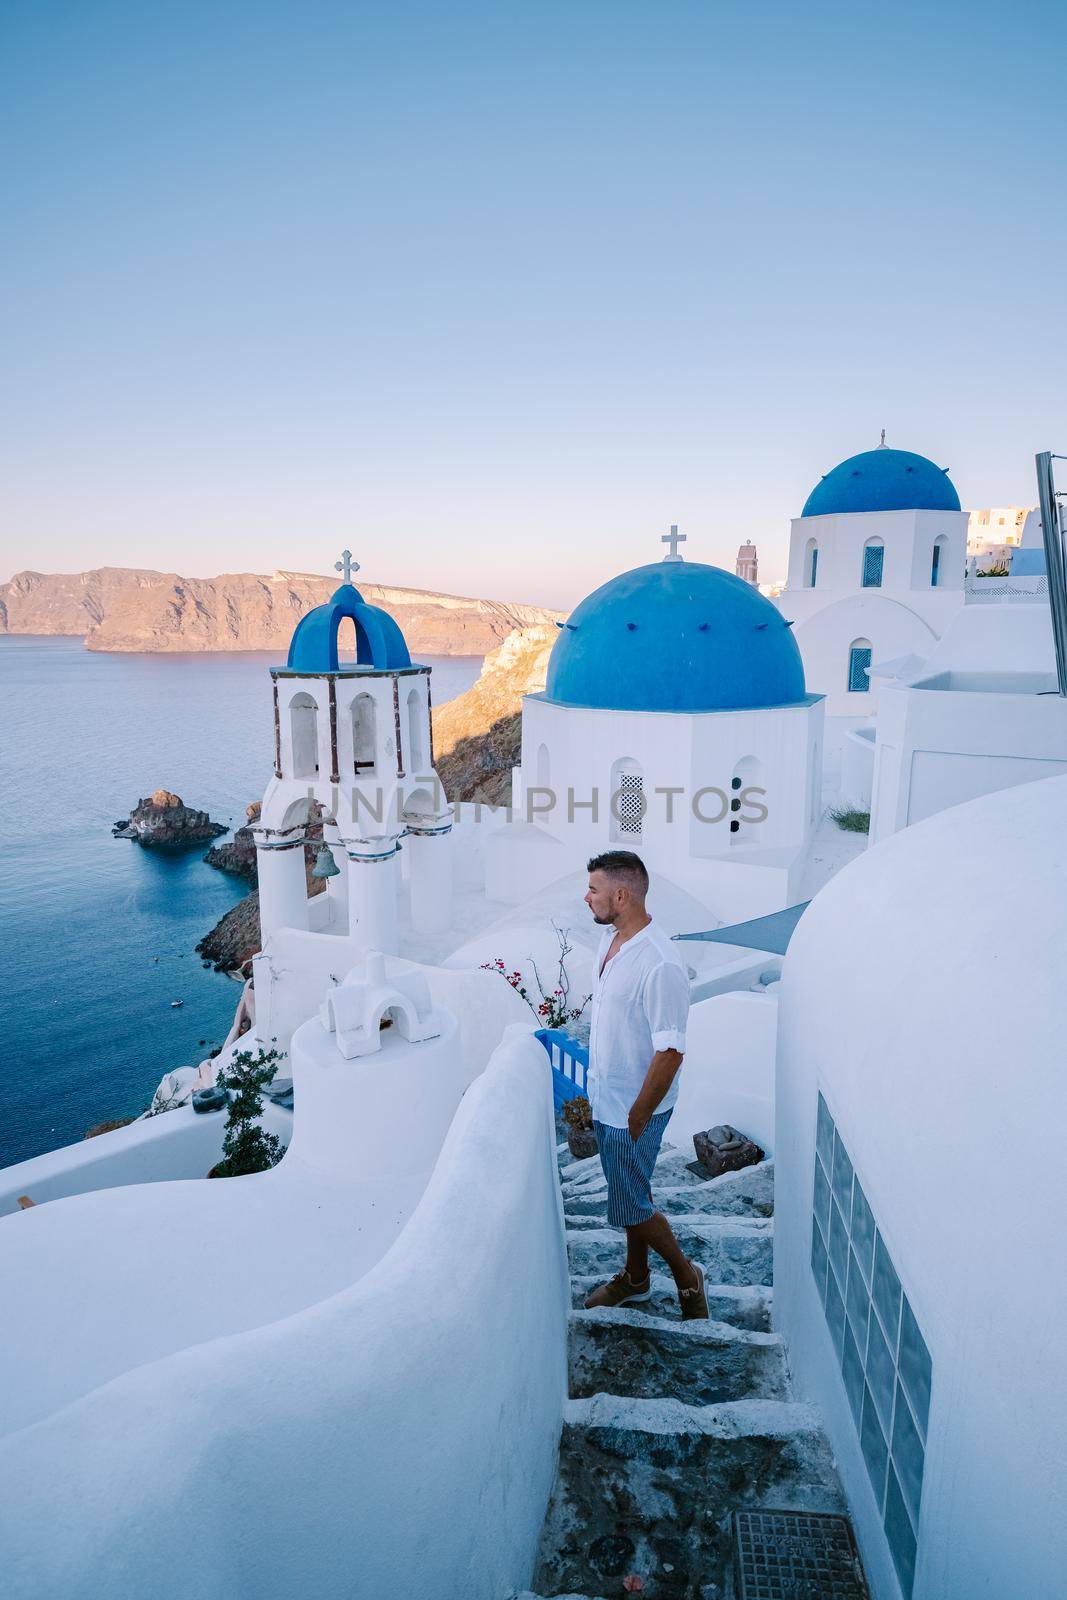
(877, 562)
(675, 721)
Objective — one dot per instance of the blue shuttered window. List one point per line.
(873, 559)
(859, 660)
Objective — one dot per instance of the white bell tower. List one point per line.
(355, 738)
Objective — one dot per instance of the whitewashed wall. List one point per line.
(728, 1071)
(949, 1097)
(397, 1439)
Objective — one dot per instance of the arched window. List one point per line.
(859, 661)
(541, 771)
(347, 642)
(627, 800)
(745, 808)
(416, 742)
(936, 560)
(304, 725)
(363, 733)
(811, 563)
(873, 562)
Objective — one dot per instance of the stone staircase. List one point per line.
(672, 1426)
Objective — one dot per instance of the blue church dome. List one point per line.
(676, 636)
(379, 641)
(883, 480)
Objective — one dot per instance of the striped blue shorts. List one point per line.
(628, 1168)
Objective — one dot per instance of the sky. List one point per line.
(494, 293)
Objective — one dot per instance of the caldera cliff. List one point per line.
(136, 610)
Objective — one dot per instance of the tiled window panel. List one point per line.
(885, 1364)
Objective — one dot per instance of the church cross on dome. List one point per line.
(674, 539)
(346, 565)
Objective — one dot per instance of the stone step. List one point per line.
(749, 1193)
(619, 1350)
(528, 1594)
(649, 1487)
(741, 1305)
(732, 1250)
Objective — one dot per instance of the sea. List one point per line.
(98, 935)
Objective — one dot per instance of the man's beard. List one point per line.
(603, 922)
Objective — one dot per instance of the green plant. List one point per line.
(246, 1148)
(997, 570)
(852, 820)
(578, 1113)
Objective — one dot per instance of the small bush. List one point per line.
(997, 570)
(851, 820)
(246, 1148)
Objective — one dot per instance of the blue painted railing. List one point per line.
(570, 1064)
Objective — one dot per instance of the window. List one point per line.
(935, 563)
(304, 725)
(748, 774)
(363, 734)
(885, 1364)
(873, 561)
(628, 803)
(859, 661)
(811, 563)
(416, 758)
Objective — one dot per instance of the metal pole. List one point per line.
(1054, 565)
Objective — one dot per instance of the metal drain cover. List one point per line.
(793, 1555)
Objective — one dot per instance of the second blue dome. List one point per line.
(883, 480)
(676, 636)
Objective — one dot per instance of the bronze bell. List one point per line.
(325, 866)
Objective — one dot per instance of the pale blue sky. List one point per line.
(494, 292)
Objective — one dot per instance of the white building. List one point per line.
(675, 722)
(995, 528)
(877, 560)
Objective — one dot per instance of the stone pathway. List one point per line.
(672, 1426)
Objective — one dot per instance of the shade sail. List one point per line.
(771, 933)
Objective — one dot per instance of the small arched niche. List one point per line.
(745, 821)
(364, 734)
(304, 727)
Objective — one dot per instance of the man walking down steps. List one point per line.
(640, 1007)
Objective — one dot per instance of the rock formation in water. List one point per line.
(238, 855)
(133, 609)
(163, 819)
(478, 736)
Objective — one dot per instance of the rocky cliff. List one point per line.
(478, 736)
(133, 609)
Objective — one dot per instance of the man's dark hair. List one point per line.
(625, 866)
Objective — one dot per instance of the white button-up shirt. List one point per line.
(640, 1005)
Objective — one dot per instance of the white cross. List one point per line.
(674, 539)
(346, 565)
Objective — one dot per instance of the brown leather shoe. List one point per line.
(621, 1292)
(694, 1302)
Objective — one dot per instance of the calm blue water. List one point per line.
(97, 935)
